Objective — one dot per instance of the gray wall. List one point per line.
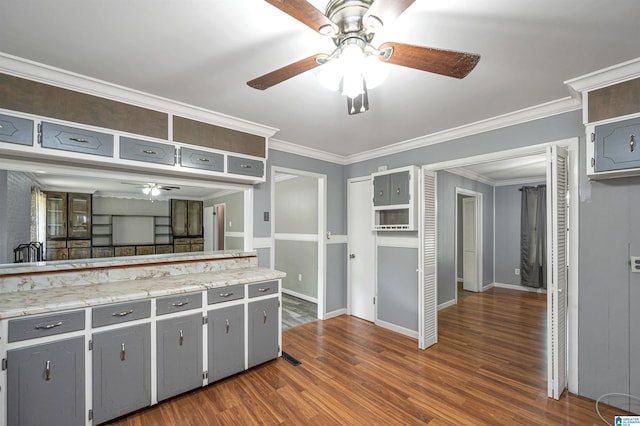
(508, 206)
(15, 212)
(233, 212)
(297, 206)
(4, 219)
(298, 258)
(397, 278)
(129, 206)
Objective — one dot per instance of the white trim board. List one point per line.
(397, 329)
(335, 313)
(337, 239)
(447, 304)
(299, 295)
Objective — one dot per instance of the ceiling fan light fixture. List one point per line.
(352, 83)
(146, 190)
(155, 191)
(374, 71)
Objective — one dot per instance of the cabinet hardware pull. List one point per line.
(49, 326)
(179, 304)
(122, 314)
(79, 140)
(47, 371)
(227, 321)
(226, 294)
(150, 152)
(245, 166)
(398, 191)
(262, 290)
(204, 160)
(632, 143)
(264, 319)
(122, 352)
(381, 193)
(181, 337)
(1, 126)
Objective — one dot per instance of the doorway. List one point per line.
(468, 241)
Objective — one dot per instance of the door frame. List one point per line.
(322, 229)
(572, 146)
(479, 241)
(216, 226)
(373, 261)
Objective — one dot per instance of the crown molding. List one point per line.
(472, 175)
(606, 76)
(292, 148)
(24, 68)
(522, 181)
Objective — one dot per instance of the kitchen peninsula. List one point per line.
(83, 342)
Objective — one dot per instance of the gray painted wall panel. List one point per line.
(4, 229)
(233, 211)
(18, 213)
(397, 278)
(336, 290)
(264, 257)
(298, 257)
(296, 206)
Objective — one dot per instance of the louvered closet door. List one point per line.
(428, 327)
(557, 183)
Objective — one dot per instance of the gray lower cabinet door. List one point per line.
(263, 331)
(121, 371)
(226, 342)
(179, 357)
(45, 384)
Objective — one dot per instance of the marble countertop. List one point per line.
(16, 304)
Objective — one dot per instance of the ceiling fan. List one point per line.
(356, 64)
(152, 189)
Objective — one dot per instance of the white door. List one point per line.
(428, 294)
(361, 249)
(469, 244)
(208, 225)
(557, 182)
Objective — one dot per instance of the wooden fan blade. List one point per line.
(306, 13)
(444, 62)
(387, 10)
(285, 73)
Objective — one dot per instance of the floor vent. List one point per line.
(291, 360)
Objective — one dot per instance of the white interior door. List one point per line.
(361, 249)
(469, 245)
(208, 225)
(557, 181)
(428, 294)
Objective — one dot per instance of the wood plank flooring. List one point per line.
(489, 368)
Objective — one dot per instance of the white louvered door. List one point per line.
(428, 327)
(557, 183)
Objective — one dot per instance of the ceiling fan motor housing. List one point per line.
(348, 16)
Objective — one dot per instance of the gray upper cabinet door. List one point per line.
(16, 130)
(147, 151)
(197, 159)
(263, 331)
(617, 146)
(245, 166)
(179, 344)
(399, 188)
(381, 190)
(121, 371)
(68, 138)
(226, 342)
(45, 384)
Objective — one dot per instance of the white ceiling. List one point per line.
(202, 52)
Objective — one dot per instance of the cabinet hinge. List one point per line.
(177, 156)
(4, 364)
(90, 345)
(90, 414)
(205, 374)
(40, 133)
(205, 320)
(278, 303)
(374, 300)
(593, 137)
(593, 162)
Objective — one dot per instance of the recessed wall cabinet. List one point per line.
(613, 149)
(394, 195)
(16, 130)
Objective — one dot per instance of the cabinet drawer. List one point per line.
(145, 250)
(80, 253)
(197, 159)
(147, 151)
(16, 130)
(262, 289)
(78, 243)
(57, 254)
(68, 138)
(102, 252)
(45, 325)
(182, 302)
(245, 166)
(182, 248)
(164, 249)
(125, 251)
(120, 312)
(225, 294)
(181, 241)
(56, 244)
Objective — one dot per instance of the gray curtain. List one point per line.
(533, 236)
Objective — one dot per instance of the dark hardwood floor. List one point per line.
(489, 368)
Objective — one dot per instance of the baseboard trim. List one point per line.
(300, 295)
(520, 288)
(397, 329)
(447, 304)
(335, 313)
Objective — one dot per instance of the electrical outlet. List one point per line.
(230, 224)
(517, 271)
(299, 277)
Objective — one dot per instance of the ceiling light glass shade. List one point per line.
(330, 75)
(374, 71)
(155, 191)
(146, 190)
(352, 83)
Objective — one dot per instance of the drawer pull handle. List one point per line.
(227, 321)
(179, 304)
(262, 290)
(81, 140)
(181, 337)
(123, 313)
(49, 326)
(264, 318)
(245, 166)
(398, 191)
(123, 353)
(381, 193)
(226, 294)
(204, 160)
(47, 371)
(632, 143)
(148, 151)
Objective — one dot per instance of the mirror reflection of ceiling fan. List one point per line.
(153, 189)
(356, 65)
